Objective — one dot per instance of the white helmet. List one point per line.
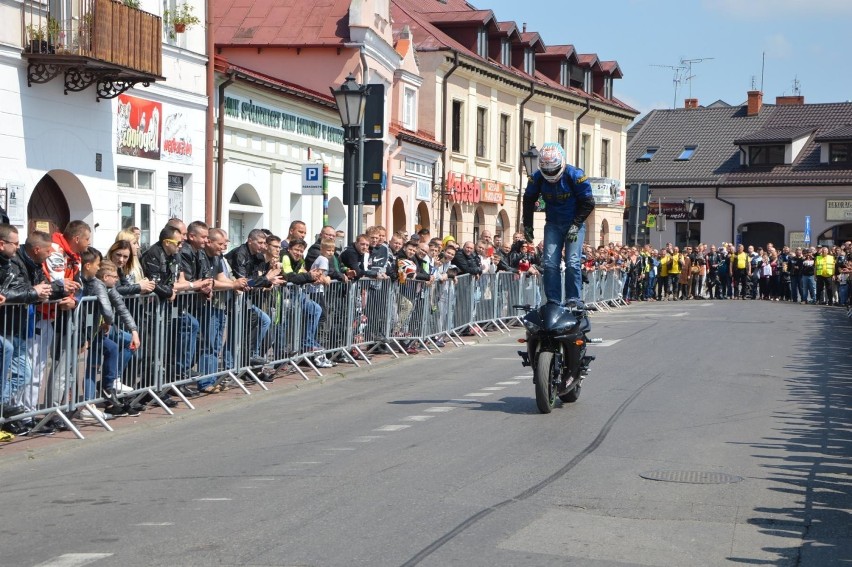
(551, 161)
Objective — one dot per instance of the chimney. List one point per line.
(690, 103)
(755, 101)
(790, 100)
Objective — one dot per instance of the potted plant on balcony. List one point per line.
(180, 19)
(36, 36)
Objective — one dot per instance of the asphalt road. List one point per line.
(739, 410)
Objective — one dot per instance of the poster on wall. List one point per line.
(607, 191)
(177, 140)
(15, 207)
(138, 127)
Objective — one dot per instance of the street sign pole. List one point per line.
(807, 230)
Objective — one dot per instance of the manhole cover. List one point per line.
(692, 477)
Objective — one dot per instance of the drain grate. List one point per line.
(692, 477)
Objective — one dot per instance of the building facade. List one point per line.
(757, 173)
(104, 117)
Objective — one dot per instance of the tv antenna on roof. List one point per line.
(688, 63)
(676, 78)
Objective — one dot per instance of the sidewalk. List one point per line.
(155, 416)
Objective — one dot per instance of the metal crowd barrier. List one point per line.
(60, 364)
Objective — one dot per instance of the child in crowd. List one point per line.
(96, 320)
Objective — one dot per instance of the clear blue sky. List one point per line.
(808, 40)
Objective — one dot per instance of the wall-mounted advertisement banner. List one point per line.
(838, 209)
(676, 211)
(177, 140)
(138, 127)
(473, 190)
(607, 191)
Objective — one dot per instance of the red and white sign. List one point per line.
(177, 140)
(473, 191)
(138, 127)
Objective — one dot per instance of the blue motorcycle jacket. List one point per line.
(568, 201)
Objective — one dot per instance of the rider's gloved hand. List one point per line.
(573, 233)
(528, 234)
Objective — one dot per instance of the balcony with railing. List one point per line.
(91, 42)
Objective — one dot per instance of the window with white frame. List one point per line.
(506, 52)
(607, 87)
(529, 61)
(127, 178)
(527, 135)
(585, 148)
(505, 122)
(481, 131)
(482, 42)
(564, 74)
(456, 139)
(587, 81)
(562, 137)
(409, 108)
(604, 158)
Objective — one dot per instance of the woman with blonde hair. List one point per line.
(132, 271)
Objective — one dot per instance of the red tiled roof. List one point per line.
(588, 60)
(509, 28)
(325, 99)
(612, 68)
(532, 38)
(461, 17)
(559, 51)
(277, 23)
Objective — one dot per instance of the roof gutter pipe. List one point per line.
(577, 133)
(733, 213)
(444, 95)
(220, 157)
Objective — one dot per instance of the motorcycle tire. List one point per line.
(545, 390)
(572, 396)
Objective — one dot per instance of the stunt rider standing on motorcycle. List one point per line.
(568, 200)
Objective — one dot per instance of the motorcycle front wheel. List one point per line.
(545, 389)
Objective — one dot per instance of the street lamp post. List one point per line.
(530, 160)
(351, 99)
(689, 204)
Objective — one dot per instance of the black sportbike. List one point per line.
(556, 349)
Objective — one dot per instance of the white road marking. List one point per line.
(366, 438)
(509, 383)
(155, 524)
(681, 314)
(515, 358)
(212, 499)
(605, 343)
(340, 449)
(493, 388)
(479, 394)
(524, 376)
(417, 417)
(707, 304)
(439, 409)
(74, 559)
(398, 427)
(462, 401)
(306, 463)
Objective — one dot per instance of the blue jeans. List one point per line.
(188, 341)
(17, 368)
(103, 352)
(122, 339)
(208, 362)
(554, 243)
(809, 288)
(312, 312)
(649, 290)
(258, 334)
(796, 287)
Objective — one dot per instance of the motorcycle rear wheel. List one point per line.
(545, 390)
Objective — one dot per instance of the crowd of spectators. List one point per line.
(195, 269)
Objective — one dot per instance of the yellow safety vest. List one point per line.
(824, 266)
(742, 261)
(674, 267)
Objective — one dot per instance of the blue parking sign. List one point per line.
(311, 179)
(807, 230)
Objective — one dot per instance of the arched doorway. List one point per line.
(336, 214)
(760, 233)
(245, 213)
(398, 214)
(478, 222)
(836, 235)
(604, 232)
(422, 217)
(47, 209)
(501, 227)
(455, 221)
